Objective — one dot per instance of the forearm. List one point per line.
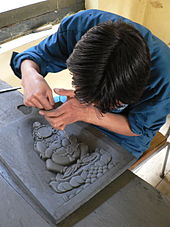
(29, 70)
(37, 92)
(114, 122)
(73, 111)
(29, 65)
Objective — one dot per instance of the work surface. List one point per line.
(127, 201)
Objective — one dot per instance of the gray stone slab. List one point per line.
(126, 202)
(6, 175)
(15, 211)
(17, 154)
(8, 105)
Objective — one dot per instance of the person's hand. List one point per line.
(37, 92)
(70, 112)
(65, 92)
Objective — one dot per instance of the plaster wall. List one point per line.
(92, 4)
(154, 14)
(157, 19)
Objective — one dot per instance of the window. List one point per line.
(18, 10)
(18, 17)
(10, 5)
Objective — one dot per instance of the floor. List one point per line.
(149, 170)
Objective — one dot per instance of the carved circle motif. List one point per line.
(44, 132)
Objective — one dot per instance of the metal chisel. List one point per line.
(9, 89)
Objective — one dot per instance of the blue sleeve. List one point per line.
(147, 118)
(51, 54)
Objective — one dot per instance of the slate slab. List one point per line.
(17, 154)
(127, 202)
(8, 105)
(15, 211)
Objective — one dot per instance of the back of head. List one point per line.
(110, 64)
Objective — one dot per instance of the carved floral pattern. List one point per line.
(76, 166)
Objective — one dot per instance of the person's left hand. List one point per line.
(69, 112)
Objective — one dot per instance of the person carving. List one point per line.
(120, 73)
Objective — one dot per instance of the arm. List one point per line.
(37, 92)
(73, 111)
(114, 122)
(33, 64)
(50, 55)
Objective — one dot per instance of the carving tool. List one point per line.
(9, 89)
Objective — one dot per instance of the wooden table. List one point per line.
(127, 202)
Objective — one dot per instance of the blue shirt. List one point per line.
(149, 113)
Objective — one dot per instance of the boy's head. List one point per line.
(110, 65)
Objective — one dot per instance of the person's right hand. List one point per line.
(37, 92)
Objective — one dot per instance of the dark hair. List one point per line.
(110, 64)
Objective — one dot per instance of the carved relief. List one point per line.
(76, 167)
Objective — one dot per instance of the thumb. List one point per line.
(65, 92)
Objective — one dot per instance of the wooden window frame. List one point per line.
(26, 12)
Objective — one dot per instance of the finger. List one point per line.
(45, 103)
(51, 99)
(62, 127)
(36, 103)
(52, 113)
(55, 123)
(28, 102)
(66, 92)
